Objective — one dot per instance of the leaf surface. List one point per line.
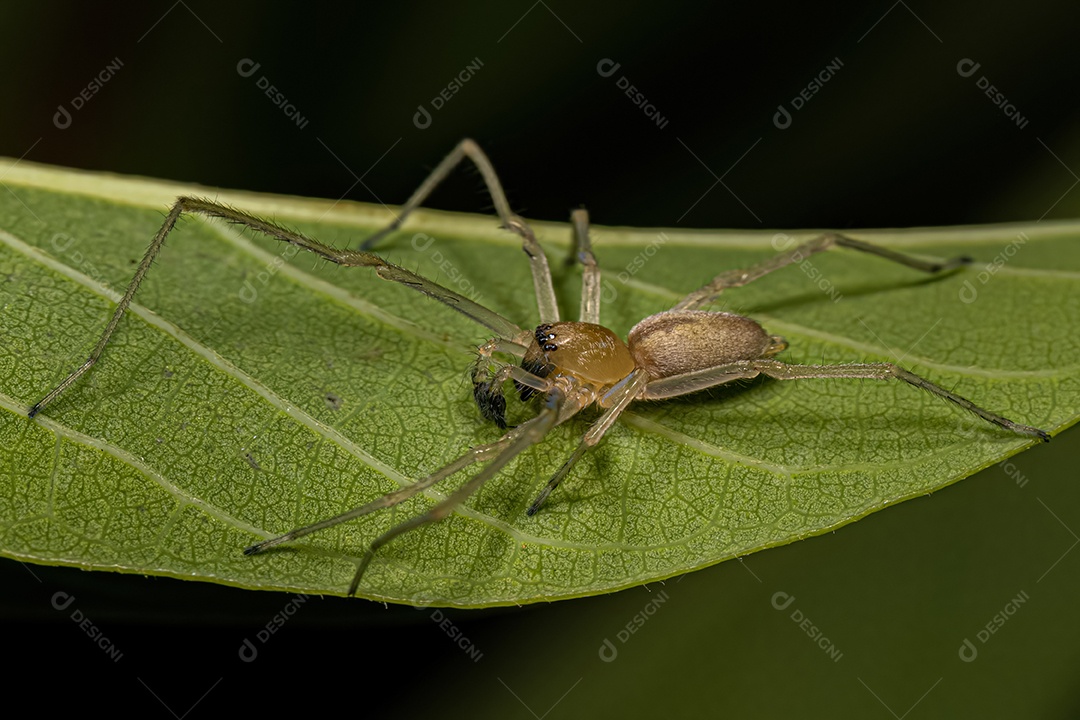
(251, 390)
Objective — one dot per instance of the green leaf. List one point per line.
(250, 390)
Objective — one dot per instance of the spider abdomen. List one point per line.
(677, 342)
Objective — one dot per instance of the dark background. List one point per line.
(896, 138)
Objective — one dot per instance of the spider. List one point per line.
(571, 364)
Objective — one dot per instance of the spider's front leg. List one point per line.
(346, 258)
(490, 374)
(616, 400)
(582, 252)
(538, 263)
(558, 407)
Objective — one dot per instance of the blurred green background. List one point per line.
(896, 137)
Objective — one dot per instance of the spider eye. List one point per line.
(544, 338)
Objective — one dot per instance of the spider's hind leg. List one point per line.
(744, 276)
(497, 454)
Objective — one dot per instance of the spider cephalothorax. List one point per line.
(589, 352)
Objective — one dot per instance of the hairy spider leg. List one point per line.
(495, 322)
(559, 407)
(738, 278)
(538, 263)
(489, 376)
(619, 396)
(701, 379)
(616, 400)
(692, 382)
(590, 276)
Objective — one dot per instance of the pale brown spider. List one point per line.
(572, 364)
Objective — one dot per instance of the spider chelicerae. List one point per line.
(571, 364)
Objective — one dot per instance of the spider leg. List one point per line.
(504, 346)
(350, 258)
(490, 374)
(738, 278)
(559, 407)
(556, 410)
(590, 276)
(501, 451)
(545, 292)
(701, 379)
(618, 398)
(390, 499)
